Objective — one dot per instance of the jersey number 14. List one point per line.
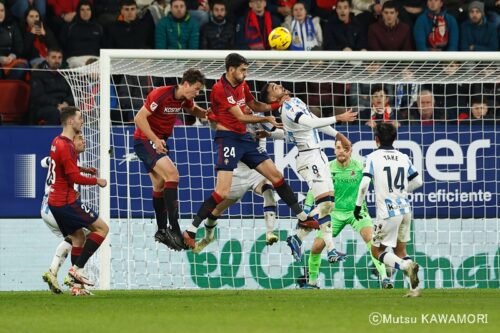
(398, 182)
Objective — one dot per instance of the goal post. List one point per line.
(455, 234)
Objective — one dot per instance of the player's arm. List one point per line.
(414, 178)
(196, 111)
(45, 162)
(262, 107)
(90, 170)
(141, 121)
(251, 119)
(270, 131)
(72, 171)
(314, 122)
(368, 174)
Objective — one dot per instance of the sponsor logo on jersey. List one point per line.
(171, 110)
(153, 106)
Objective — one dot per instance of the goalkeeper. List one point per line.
(346, 175)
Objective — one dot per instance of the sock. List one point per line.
(62, 251)
(285, 192)
(314, 263)
(206, 208)
(270, 218)
(302, 233)
(326, 232)
(210, 225)
(94, 240)
(404, 266)
(160, 210)
(170, 196)
(75, 253)
(391, 260)
(378, 265)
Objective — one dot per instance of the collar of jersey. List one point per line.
(386, 147)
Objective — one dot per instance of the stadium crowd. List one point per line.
(53, 34)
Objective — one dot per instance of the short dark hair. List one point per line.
(477, 99)
(217, 2)
(54, 49)
(348, 2)
(386, 133)
(390, 5)
(192, 76)
(68, 112)
(264, 93)
(235, 60)
(376, 88)
(124, 3)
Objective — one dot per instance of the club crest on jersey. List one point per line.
(353, 173)
(53, 148)
(231, 100)
(226, 161)
(153, 106)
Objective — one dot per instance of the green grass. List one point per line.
(206, 311)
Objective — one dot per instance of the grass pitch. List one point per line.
(238, 311)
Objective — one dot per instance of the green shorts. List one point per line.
(341, 219)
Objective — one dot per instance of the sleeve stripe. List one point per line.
(297, 117)
(413, 175)
(367, 174)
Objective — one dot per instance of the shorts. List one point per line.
(244, 179)
(73, 216)
(233, 148)
(341, 219)
(312, 166)
(145, 150)
(391, 230)
(49, 220)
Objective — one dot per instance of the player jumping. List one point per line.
(302, 127)
(394, 176)
(154, 125)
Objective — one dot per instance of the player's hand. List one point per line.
(102, 182)
(272, 121)
(160, 146)
(347, 116)
(260, 134)
(357, 213)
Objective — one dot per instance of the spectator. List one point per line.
(284, 8)
(37, 38)
(477, 34)
(367, 12)
(380, 109)
(493, 9)
(128, 31)
(177, 30)
(306, 31)
(49, 91)
(388, 33)
(11, 47)
(106, 11)
(253, 29)
(158, 9)
(18, 8)
(435, 29)
(323, 8)
(218, 33)
(342, 31)
(84, 37)
(411, 10)
(424, 112)
(63, 12)
(479, 112)
(199, 10)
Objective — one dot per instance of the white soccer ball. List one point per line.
(280, 38)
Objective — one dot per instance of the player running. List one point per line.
(154, 125)
(346, 175)
(393, 176)
(302, 127)
(246, 179)
(229, 97)
(69, 212)
(65, 246)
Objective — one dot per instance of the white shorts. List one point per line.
(391, 230)
(50, 221)
(244, 179)
(312, 165)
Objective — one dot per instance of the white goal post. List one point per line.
(446, 224)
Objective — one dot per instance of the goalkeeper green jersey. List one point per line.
(346, 182)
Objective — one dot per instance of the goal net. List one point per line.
(444, 105)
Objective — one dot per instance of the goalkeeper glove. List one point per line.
(357, 213)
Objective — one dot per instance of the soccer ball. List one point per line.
(280, 38)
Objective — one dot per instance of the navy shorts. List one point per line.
(146, 152)
(72, 217)
(233, 147)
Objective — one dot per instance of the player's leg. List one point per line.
(339, 221)
(400, 251)
(159, 207)
(168, 171)
(314, 262)
(265, 189)
(268, 169)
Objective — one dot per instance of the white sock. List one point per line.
(62, 251)
(270, 219)
(192, 228)
(209, 232)
(405, 264)
(326, 230)
(392, 260)
(302, 233)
